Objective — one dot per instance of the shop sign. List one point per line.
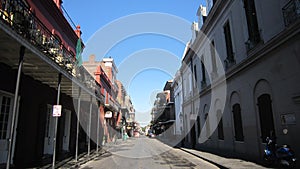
(108, 114)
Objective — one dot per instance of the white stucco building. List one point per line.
(177, 87)
(255, 44)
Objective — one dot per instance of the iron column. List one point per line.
(12, 126)
(56, 121)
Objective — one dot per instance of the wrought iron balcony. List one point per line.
(291, 12)
(18, 16)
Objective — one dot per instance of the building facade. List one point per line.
(38, 62)
(163, 113)
(177, 87)
(257, 44)
(116, 113)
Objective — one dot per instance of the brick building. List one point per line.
(39, 46)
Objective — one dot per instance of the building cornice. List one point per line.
(261, 51)
(255, 55)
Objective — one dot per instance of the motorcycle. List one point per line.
(282, 155)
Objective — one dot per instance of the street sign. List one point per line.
(56, 111)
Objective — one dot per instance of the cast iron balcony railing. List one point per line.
(17, 15)
(291, 12)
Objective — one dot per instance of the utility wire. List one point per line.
(68, 17)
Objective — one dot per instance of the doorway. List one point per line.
(193, 135)
(6, 110)
(67, 125)
(266, 116)
(49, 132)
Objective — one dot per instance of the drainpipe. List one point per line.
(77, 130)
(89, 135)
(98, 112)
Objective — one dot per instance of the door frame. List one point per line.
(67, 120)
(50, 133)
(2, 92)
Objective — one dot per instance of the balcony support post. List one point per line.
(56, 121)
(78, 120)
(12, 126)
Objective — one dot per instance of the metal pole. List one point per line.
(56, 121)
(77, 130)
(12, 126)
(97, 149)
(89, 135)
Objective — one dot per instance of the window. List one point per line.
(190, 83)
(203, 82)
(266, 116)
(213, 58)
(220, 125)
(195, 72)
(207, 125)
(253, 30)
(229, 47)
(237, 120)
(6, 103)
(198, 126)
(196, 77)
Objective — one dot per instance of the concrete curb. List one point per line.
(223, 162)
(205, 159)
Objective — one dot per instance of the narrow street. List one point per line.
(144, 153)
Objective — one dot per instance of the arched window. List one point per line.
(198, 126)
(207, 125)
(206, 120)
(237, 120)
(220, 125)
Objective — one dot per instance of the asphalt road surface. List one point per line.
(145, 153)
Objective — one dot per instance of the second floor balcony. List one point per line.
(46, 53)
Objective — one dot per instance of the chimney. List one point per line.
(78, 31)
(195, 30)
(58, 4)
(202, 14)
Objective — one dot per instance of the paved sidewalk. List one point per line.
(223, 162)
(83, 158)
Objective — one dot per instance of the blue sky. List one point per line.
(144, 50)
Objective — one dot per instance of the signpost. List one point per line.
(56, 114)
